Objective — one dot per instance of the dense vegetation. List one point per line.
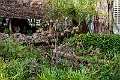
(106, 42)
(28, 62)
(96, 56)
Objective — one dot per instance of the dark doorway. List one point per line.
(23, 24)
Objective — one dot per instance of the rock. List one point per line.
(6, 36)
(16, 34)
(35, 38)
(62, 53)
(29, 37)
(1, 38)
(36, 41)
(60, 47)
(35, 35)
(21, 37)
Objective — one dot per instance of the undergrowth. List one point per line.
(28, 62)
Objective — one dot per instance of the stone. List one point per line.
(35, 35)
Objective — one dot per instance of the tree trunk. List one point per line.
(110, 16)
(103, 23)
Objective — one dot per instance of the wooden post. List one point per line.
(10, 26)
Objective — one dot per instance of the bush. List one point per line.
(107, 70)
(6, 31)
(27, 62)
(13, 49)
(106, 42)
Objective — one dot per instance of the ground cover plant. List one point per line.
(28, 62)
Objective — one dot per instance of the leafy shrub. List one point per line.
(107, 72)
(107, 69)
(106, 42)
(106, 64)
(29, 63)
(6, 31)
(13, 49)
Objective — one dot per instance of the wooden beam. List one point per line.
(10, 26)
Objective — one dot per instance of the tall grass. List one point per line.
(54, 73)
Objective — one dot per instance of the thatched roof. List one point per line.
(23, 9)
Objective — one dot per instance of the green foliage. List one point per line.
(106, 64)
(54, 73)
(79, 10)
(6, 31)
(43, 60)
(22, 69)
(108, 72)
(29, 31)
(17, 70)
(23, 61)
(2, 67)
(13, 49)
(106, 42)
(27, 62)
(107, 69)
